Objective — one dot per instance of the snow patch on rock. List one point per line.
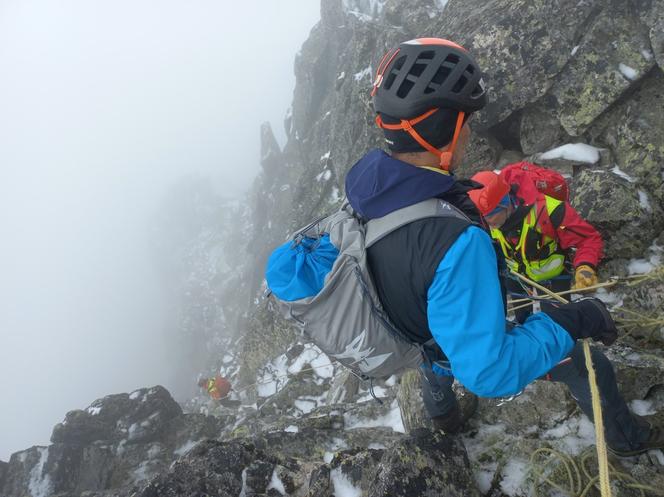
(142, 472)
(343, 487)
(639, 266)
(154, 451)
(40, 483)
(515, 472)
(185, 447)
(317, 360)
(274, 377)
(609, 298)
(580, 152)
(335, 196)
(276, 483)
(644, 200)
(619, 172)
(359, 76)
(379, 392)
(391, 381)
(243, 490)
(305, 405)
(642, 407)
(364, 10)
(629, 72)
(324, 176)
(390, 420)
(573, 436)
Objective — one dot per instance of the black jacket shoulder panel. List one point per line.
(403, 265)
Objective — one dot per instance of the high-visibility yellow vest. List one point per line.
(516, 257)
(212, 385)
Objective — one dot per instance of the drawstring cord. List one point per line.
(373, 394)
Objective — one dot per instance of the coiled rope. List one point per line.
(543, 470)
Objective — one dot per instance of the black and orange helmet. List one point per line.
(427, 73)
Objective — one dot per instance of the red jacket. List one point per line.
(218, 387)
(570, 230)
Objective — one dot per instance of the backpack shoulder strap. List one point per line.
(378, 228)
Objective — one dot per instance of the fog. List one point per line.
(104, 105)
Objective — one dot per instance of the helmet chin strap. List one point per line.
(446, 155)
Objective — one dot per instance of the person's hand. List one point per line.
(585, 318)
(584, 277)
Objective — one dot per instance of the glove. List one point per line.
(584, 276)
(585, 318)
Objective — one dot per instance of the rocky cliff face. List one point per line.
(315, 431)
(559, 73)
(117, 442)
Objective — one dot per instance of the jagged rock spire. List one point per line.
(270, 150)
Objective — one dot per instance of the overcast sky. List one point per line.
(103, 106)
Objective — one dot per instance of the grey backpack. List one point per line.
(320, 280)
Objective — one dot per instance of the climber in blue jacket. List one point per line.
(440, 278)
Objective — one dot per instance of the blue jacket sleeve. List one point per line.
(467, 319)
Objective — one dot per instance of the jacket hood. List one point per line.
(379, 184)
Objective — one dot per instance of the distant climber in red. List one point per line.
(217, 388)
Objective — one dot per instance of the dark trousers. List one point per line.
(623, 430)
(437, 393)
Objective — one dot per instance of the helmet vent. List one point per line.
(405, 88)
(390, 80)
(451, 59)
(421, 63)
(418, 69)
(441, 75)
(458, 86)
(398, 64)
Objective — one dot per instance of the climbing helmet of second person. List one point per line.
(534, 251)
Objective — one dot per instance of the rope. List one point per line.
(575, 474)
(605, 284)
(638, 320)
(633, 280)
(602, 456)
(627, 319)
